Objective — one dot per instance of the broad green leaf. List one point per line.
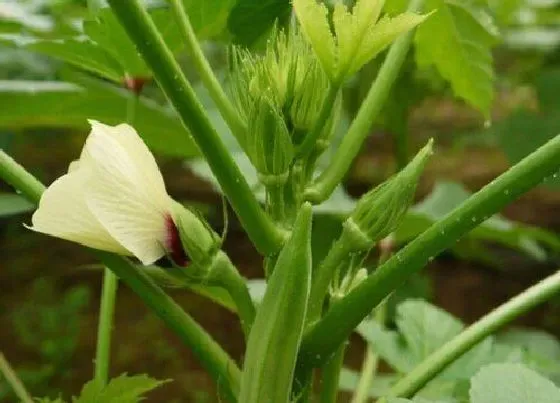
(80, 52)
(457, 40)
(28, 104)
(107, 32)
(208, 18)
(540, 351)
(123, 389)
(523, 132)
(422, 329)
(445, 197)
(11, 204)
(512, 383)
(250, 19)
(110, 35)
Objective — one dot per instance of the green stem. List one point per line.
(276, 203)
(220, 366)
(21, 180)
(360, 127)
(13, 380)
(236, 286)
(105, 326)
(330, 376)
(322, 277)
(325, 336)
(204, 69)
(326, 109)
(215, 360)
(260, 228)
(504, 314)
(369, 367)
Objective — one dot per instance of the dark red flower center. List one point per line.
(174, 245)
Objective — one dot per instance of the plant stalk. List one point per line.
(330, 376)
(322, 277)
(105, 326)
(475, 333)
(325, 336)
(202, 66)
(360, 127)
(16, 384)
(265, 235)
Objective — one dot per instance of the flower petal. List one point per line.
(63, 213)
(127, 193)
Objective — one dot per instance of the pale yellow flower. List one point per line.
(113, 198)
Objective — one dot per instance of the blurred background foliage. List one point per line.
(488, 94)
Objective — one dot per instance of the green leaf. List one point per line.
(250, 19)
(540, 350)
(11, 204)
(444, 198)
(457, 40)
(523, 132)
(512, 383)
(208, 18)
(107, 32)
(422, 329)
(66, 105)
(123, 389)
(80, 52)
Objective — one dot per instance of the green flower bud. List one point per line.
(288, 74)
(200, 243)
(379, 212)
(268, 143)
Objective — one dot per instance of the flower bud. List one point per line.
(198, 240)
(379, 212)
(288, 75)
(268, 143)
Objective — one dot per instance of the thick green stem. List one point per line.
(21, 180)
(220, 366)
(330, 375)
(205, 72)
(326, 110)
(360, 127)
(260, 228)
(325, 336)
(13, 380)
(105, 327)
(474, 334)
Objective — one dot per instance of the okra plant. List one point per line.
(282, 101)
